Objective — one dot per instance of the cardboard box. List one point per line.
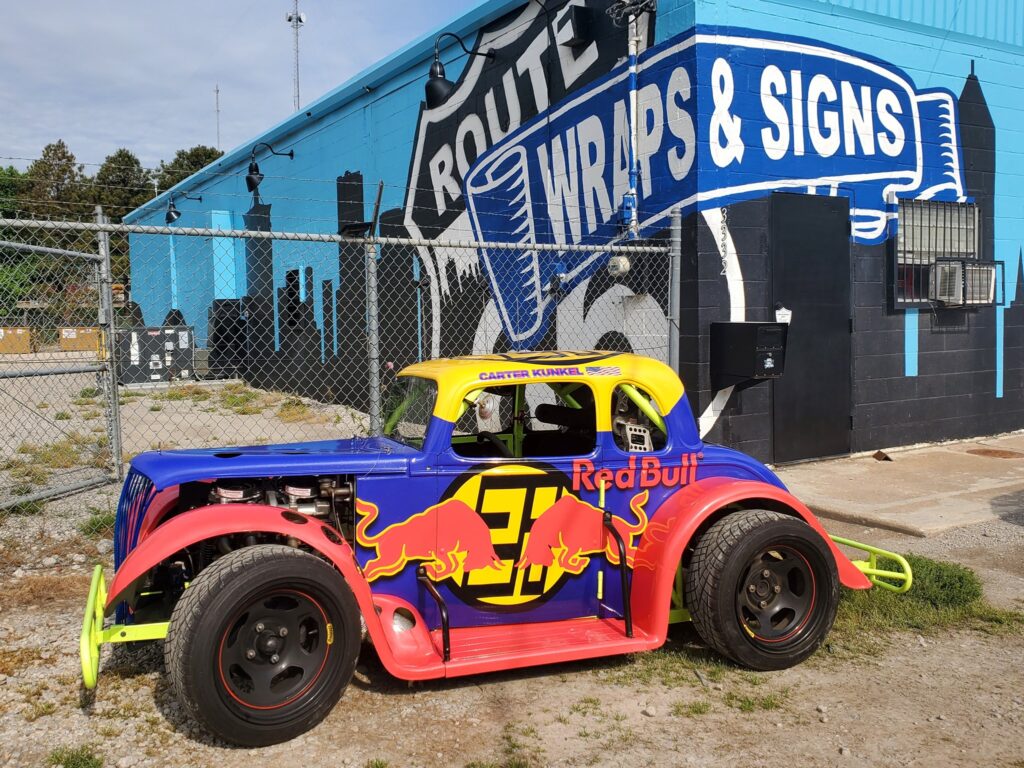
(15, 341)
(79, 339)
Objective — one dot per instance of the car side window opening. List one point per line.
(410, 405)
(527, 420)
(637, 424)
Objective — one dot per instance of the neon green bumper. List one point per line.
(94, 635)
(903, 577)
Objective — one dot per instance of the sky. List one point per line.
(106, 74)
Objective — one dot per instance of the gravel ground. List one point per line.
(953, 698)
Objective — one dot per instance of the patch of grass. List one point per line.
(27, 508)
(90, 415)
(88, 392)
(672, 665)
(376, 763)
(62, 416)
(100, 523)
(154, 408)
(13, 660)
(588, 705)
(293, 410)
(43, 589)
(944, 595)
(84, 401)
(75, 757)
(42, 406)
(39, 709)
(691, 709)
(192, 392)
(768, 702)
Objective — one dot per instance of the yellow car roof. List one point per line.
(602, 370)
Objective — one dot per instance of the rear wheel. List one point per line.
(762, 588)
(262, 644)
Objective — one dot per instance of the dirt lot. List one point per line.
(949, 698)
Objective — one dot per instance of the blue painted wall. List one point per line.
(376, 125)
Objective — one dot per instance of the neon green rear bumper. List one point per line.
(94, 635)
(903, 578)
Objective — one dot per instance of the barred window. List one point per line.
(938, 256)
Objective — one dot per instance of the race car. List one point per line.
(519, 509)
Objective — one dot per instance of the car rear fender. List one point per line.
(682, 516)
(211, 522)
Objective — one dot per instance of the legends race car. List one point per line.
(518, 509)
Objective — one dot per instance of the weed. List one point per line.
(376, 763)
(62, 416)
(42, 406)
(90, 415)
(89, 392)
(754, 679)
(21, 489)
(99, 524)
(84, 401)
(691, 709)
(672, 665)
(75, 757)
(154, 408)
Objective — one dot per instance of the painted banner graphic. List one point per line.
(768, 113)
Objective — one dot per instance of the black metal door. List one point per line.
(810, 258)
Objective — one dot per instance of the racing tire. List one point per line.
(762, 589)
(262, 644)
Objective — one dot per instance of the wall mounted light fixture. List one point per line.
(173, 214)
(254, 178)
(438, 87)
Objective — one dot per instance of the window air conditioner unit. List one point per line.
(981, 284)
(946, 283)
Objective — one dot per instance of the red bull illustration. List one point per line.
(466, 547)
(571, 530)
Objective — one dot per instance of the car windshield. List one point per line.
(410, 406)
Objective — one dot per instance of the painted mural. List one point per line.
(532, 147)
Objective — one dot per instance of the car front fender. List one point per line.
(682, 515)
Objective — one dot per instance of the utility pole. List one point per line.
(296, 19)
(216, 98)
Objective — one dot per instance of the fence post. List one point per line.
(675, 287)
(108, 325)
(373, 336)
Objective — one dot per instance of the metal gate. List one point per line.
(59, 430)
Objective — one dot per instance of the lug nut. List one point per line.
(777, 589)
(766, 573)
(764, 603)
(751, 588)
(274, 659)
(283, 632)
(250, 654)
(260, 627)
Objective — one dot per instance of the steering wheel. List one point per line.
(497, 442)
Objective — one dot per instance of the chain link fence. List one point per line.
(210, 337)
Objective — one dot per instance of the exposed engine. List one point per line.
(329, 498)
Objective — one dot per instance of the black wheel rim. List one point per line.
(274, 650)
(776, 597)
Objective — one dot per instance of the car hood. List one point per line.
(356, 456)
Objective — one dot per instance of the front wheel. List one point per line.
(762, 588)
(262, 644)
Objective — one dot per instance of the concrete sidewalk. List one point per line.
(922, 491)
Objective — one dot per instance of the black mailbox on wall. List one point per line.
(744, 351)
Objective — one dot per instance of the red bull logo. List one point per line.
(448, 539)
(571, 531)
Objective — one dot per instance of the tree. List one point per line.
(11, 182)
(54, 185)
(185, 163)
(122, 184)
